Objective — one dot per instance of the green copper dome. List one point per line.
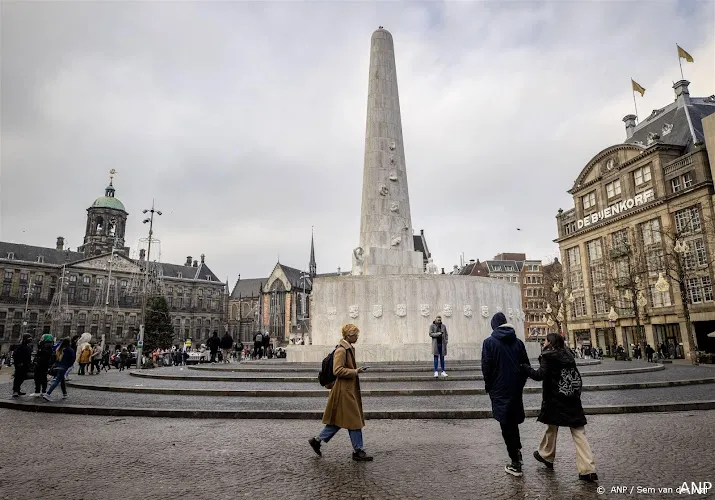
(108, 200)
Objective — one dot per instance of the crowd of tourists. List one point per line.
(505, 366)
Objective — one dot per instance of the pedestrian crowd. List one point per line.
(505, 367)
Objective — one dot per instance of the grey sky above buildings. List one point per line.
(245, 121)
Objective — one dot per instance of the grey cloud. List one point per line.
(245, 121)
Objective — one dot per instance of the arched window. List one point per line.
(99, 225)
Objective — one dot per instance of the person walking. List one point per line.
(43, 361)
(344, 407)
(214, 343)
(502, 358)
(66, 359)
(438, 332)
(258, 344)
(561, 406)
(123, 359)
(22, 358)
(226, 347)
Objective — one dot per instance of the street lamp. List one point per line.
(150, 221)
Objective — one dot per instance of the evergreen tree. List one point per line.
(158, 330)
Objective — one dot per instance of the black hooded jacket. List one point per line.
(503, 355)
(561, 404)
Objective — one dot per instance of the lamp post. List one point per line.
(140, 341)
(28, 293)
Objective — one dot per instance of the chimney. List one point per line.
(196, 263)
(188, 261)
(60, 243)
(202, 258)
(630, 121)
(142, 254)
(442, 270)
(422, 232)
(682, 95)
(455, 270)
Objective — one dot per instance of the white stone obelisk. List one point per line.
(386, 243)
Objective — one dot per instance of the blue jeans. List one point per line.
(439, 357)
(58, 380)
(330, 430)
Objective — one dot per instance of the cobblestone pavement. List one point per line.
(58, 457)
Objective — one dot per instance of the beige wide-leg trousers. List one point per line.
(584, 457)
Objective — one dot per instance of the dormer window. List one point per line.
(179, 275)
(589, 200)
(208, 277)
(11, 255)
(41, 259)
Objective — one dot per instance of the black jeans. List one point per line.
(510, 433)
(40, 379)
(20, 376)
(213, 356)
(95, 364)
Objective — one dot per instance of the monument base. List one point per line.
(394, 314)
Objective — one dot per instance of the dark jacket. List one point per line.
(502, 358)
(22, 357)
(214, 343)
(68, 358)
(226, 342)
(44, 357)
(561, 403)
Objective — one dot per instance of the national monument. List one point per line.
(388, 295)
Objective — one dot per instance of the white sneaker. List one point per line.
(34, 395)
(444, 373)
(436, 374)
(65, 396)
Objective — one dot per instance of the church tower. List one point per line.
(312, 266)
(106, 223)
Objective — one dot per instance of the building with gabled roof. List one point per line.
(634, 203)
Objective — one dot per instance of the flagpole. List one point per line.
(680, 63)
(634, 103)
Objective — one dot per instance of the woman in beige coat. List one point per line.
(344, 408)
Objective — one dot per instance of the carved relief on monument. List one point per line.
(332, 311)
(358, 261)
(377, 310)
(354, 311)
(394, 206)
(485, 311)
(384, 190)
(119, 264)
(510, 313)
(392, 146)
(424, 309)
(431, 267)
(395, 241)
(401, 310)
(392, 160)
(468, 311)
(498, 309)
(393, 175)
(447, 310)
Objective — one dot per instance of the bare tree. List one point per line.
(627, 264)
(687, 261)
(554, 275)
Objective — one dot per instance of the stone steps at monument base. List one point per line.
(435, 389)
(85, 397)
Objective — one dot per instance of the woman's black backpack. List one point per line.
(326, 375)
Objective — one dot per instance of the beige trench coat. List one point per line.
(344, 407)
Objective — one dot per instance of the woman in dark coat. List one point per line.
(561, 405)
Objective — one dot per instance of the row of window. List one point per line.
(641, 176)
(534, 292)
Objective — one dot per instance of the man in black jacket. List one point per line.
(22, 358)
(214, 343)
(226, 346)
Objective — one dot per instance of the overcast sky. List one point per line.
(245, 121)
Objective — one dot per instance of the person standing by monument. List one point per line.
(561, 406)
(344, 407)
(438, 332)
(503, 355)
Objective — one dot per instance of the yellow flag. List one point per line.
(683, 54)
(637, 88)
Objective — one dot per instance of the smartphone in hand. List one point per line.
(365, 368)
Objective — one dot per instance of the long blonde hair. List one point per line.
(61, 349)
